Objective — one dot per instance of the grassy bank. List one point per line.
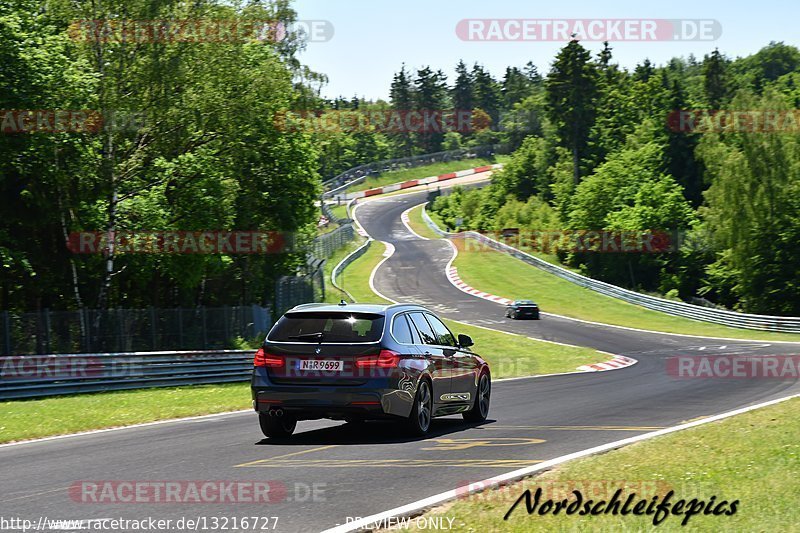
(435, 169)
(753, 457)
(332, 294)
(28, 419)
(493, 272)
(339, 210)
(508, 354)
(419, 225)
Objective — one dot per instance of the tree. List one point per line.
(461, 93)
(525, 174)
(571, 91)
(516, 87)
(401, 95)
(753, 214)
(715, 81)
(487, 93)
(430, 95)
(679, 154)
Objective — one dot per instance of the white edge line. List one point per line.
(336, 272)
(404, 218)
(390, 252)
(132, 426)
(386, 255)
(580, 368)
(628, 327)
(418, 506)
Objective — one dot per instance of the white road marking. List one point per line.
(419, 506)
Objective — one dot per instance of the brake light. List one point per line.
(385, 359)
(265, 359)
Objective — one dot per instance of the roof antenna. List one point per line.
(342, 302)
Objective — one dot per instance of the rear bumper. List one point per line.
(373, 399)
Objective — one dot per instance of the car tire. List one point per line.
(277, 427)
(419, 421)
(480, 409)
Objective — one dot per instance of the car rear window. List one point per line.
(341, 328)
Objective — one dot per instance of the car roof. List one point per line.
(351, 308)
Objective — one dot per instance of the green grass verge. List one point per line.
(419, 225)
(332, 294)
(435, 169)
(29, 419)
(339, 210)
(355, 278)
(753, 457)
(509, 355)
(500, 274)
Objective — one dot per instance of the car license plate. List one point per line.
(321, 364)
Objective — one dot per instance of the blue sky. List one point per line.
(374, 37)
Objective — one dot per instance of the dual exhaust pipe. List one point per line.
(275, 412)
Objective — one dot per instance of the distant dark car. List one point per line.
(523, 309)
(359, 362)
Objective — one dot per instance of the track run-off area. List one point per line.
(331, 472)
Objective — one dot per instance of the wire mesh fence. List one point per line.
(326, 244)
(131, 330)
(295, 290)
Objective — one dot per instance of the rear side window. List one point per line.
(401, 330)
(424, 328)
(341, 328)
(443, 335)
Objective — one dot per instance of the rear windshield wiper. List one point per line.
(309, 336)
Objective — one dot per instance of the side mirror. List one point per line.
(465, 341)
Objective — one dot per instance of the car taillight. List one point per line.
(265, 359)
(385, 359)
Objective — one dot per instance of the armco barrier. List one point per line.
(422, 181)
(31, 376)
(670, 307)
(358, 174)
(344, 263)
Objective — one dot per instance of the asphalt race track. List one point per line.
(331, 471)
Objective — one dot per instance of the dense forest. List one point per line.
(223, 134)
(186, 142)
(704, 150)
